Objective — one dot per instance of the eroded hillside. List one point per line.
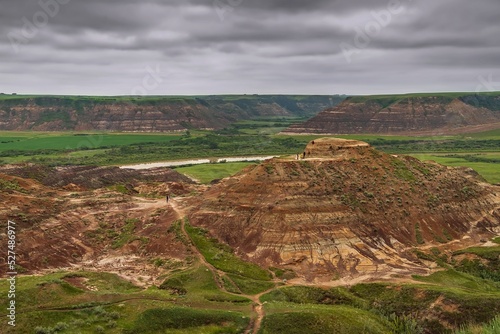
(152, 114)
(425, 114)
(99, 249)
(347, 210)
(95, 218)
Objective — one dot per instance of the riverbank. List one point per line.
(178, 163)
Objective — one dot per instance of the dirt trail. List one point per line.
(217, 274)
(140, 205)
(83, 307)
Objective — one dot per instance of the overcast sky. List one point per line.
(97, 47)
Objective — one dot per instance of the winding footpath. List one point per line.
(254, 326)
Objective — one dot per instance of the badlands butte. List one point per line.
(348, 210)
(325, 241)
(343, 210)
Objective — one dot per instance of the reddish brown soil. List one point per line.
(348, 210)
(94, 229)
(344, 214)
(412, 116)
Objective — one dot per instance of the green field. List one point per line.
(32, 141)
(265, 125)
(480, 151)
(208, 172)
(493, 134)
(489, 170)
(395, 97)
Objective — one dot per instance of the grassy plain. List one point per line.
(480, 151)
(32, 141)
(207, 173)
(489, 170)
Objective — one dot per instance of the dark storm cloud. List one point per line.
(247, 46)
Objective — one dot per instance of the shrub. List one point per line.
(174, 285)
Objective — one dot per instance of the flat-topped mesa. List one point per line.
(333, 148)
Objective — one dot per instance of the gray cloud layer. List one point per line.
(248, 46)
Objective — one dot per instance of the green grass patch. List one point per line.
(489, 253)
(398, 97)
(250, 286)
(126, 235)
(222, 257)
(418, 235)
(91, 320)
(31, 141)
(493, 327)
(390, 299)
(314, 319)
(229, 285)
(50, 302)
(488, 267)
(493, 134)
(459, 280)
(285, 274)
(11, 185)
(488, 170)
(401, 171)
(206, 173)
(197, 285)
(53, 304)
(161, 320)
(313, 295)
(194, 281)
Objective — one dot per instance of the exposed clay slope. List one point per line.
(346, 209)
(92, 177)
(401, 114)
(151, 114)
(97, 229)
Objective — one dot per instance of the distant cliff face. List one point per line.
(439, 114)
(156, 114)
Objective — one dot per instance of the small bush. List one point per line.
(418, 235)
(60, 326)
(404, 324)
(42, 330)
(491, 328)
(174, 285)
